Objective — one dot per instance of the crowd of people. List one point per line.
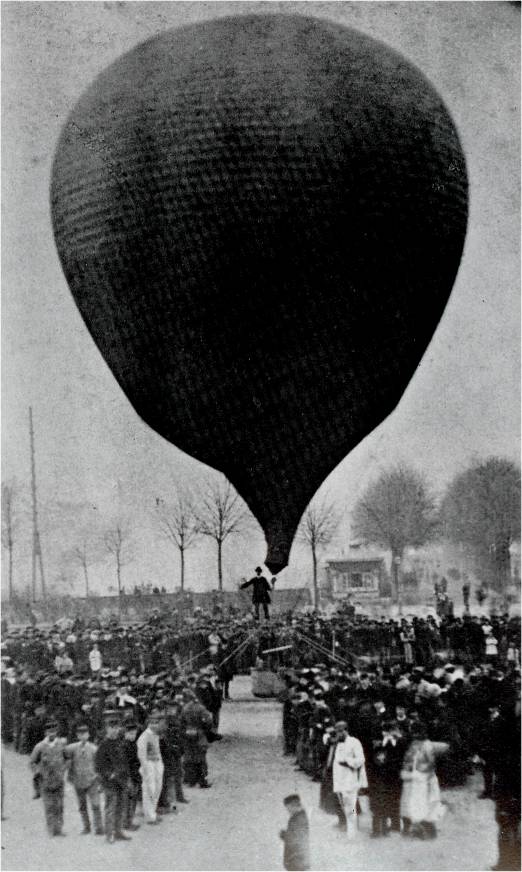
(377, 711)
(388, 735)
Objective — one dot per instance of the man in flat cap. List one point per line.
(296, 838)
(197, 722)
(48, 758)
(84, 777)
(112, 766)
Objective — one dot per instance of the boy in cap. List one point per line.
(296, 838)
(111, 764)
(84, 777)
(48, 758)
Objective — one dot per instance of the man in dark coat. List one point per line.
(48, 758)
(171, 746)
(196, 722)
(506, 792)
(133, 789)
(113, 768)
(260, 592)
(489, 743)
(383, 769)
(296, 837)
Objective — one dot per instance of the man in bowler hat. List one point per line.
(260, 592)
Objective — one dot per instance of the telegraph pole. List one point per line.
(37, 560)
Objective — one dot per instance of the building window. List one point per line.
(340, 583)
(356, 579)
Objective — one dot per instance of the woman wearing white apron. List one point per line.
(420, 797)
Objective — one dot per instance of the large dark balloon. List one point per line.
(261, 219)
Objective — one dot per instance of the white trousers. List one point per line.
(348, 800)
(151, 783)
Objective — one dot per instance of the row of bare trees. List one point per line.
(219, 514)
(480, 509)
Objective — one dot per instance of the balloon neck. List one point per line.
(279, 544)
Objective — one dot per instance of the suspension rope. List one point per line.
(241, 646)
(333, 656)
(192, 659)
(318, 647)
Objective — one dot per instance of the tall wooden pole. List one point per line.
(37, 550)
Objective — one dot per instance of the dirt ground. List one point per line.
(235, 825)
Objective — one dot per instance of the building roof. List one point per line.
(358, 555)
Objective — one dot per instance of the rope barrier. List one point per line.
(273, 650)
(195, 657)
(241, 646)
(321, 649)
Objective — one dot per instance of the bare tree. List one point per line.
(222, 514)
(117, 542)
(83, 555)
(481, 510)
(177, 524)
(397, 511)
(73, 528)
(9, 527)
(317, 527)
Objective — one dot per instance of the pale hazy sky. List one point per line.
(91, 446)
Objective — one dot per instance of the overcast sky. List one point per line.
(91, 446)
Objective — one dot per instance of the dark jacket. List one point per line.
(297, 842)
(261, 589)
(48, 759)
(196, 721)
(209, 696)
(112, 764)
(131, 752)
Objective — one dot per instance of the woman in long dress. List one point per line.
(420, 797)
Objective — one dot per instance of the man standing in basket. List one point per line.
(260, 592)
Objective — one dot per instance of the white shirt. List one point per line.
(148, 747)
(95, 659)
(491, 645)
(349, 778)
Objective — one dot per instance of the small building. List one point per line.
(360, 575)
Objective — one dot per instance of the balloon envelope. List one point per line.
(261, 219)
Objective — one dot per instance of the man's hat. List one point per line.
(82, 728)
(111, 716)
(341, 725)
(51, 724)
(292, 797)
